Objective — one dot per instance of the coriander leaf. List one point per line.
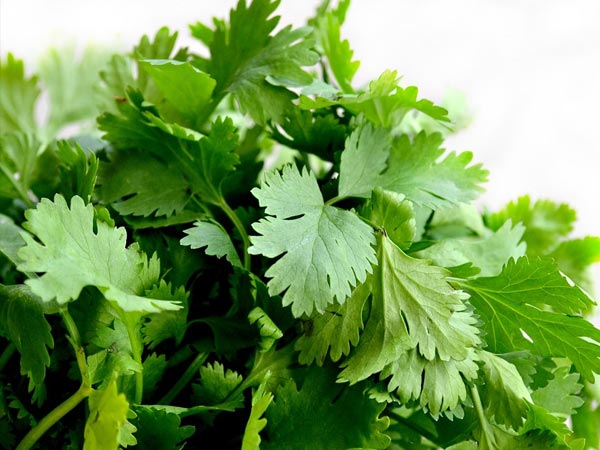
(245, 58)
(154, 368)
(384, 103)
(136, 183)
(330, 415)
(574, 258)
(18, 164)
(213, 236)
(159, 327)
(507, 313)
(116, 355)
(560, 395)
(413, 306)
(108, 414)
(488, 253)
(78, 170)
(457, 221)
(72, 255)
(268, 330)
(18, 99)
(186, 88)
(541, 424)
(416, 170)
(393, 213)
(215, 386)
(503, 392)
(327, 30)
(334, 331)
(160, 430)
(66, 74)
(322, 135)
(326, 251)
(22, 321)
(10, 238)
(438, 386)
(545, 222)
(364, 157)
(261, 399)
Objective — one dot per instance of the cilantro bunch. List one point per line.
(240, 248)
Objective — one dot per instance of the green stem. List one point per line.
(415, 427)
(7, 354)
(75, 340)
(241, 230)
(187, 376)
(487, 436)
(54, 416)
(20, 190)
(137, 347)
(334, 200)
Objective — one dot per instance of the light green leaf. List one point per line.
(261, 399)
(72, 254)
(574, 258)
(78, 170)
(503, 392)
(268, 330)
(334, 331)
(393, 213)
(213, 236)
(159, 327)
(560, 395)
(545, 222)
(326, 251)
(10, 238)
(364, 157)
(507, 313)
(19, 154)
(18, 99)
(438, 386)
(413, 306)
(489, 253)
(108, 411)
(186, 88)
(416, 170)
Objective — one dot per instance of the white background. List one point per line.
(530, 70)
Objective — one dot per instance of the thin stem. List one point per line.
(54, 416)
(487, 436)
(187, 376)
(22, 193)
(7, 354)
(241, 230)
(407, 423)
(75, 340)
(137, 347)
(334, 200)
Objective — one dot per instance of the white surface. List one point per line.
(530, 70)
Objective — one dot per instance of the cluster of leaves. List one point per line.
(248, 249)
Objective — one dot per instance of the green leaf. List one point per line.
(326, 251)
(116, 355)
(507, 313)
(437, 386)
(545, 222)
(488, 253)
(327, 30)
(253, 65)
(364, 157)
(330, 415)
(261, 399)
(160, 430)
(72, 254)
(108, 414)
(413, 306)
(10, 238)
(78, 170)
(138, 184)
(18, 99)
(416, 170)
(186, 88)
(19, 153)
(393, 213)
(163, 325)
(213, 236)
(22, 321)
(154, 368)
(503, 392)
(215, 386)
(574, 258)
(268, 330)
(560, 395)
(334, 331)
(384, 103)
